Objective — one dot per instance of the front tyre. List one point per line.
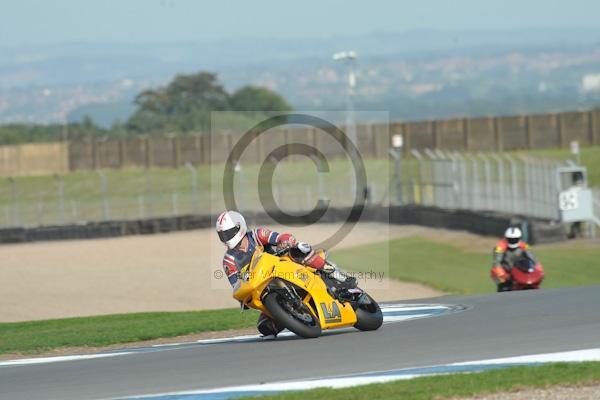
(300, 321)
(368, 314)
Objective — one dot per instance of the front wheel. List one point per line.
(299, 320)
(368, 314)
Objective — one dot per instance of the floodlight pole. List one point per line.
(348, 58)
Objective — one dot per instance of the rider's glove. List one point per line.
(287, 242)
(329, 267)
(304, 248)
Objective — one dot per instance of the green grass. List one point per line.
(454, 270)
(460, 385)
(38, 336)
(139, 194)
(169, 191)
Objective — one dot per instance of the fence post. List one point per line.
(240, 173)
(148, 152)
(104, 192)
(466, 125)
(149, 193)
(488, 181)
(95, 161)
(432, 187)
(418, 188)
(527, 183)
(61, 198)
(501, 182)
(528, 134)
(591, 136)
(476, 192)
(175, 201)
(176, 151)
(498, 134)
(122, 154)
(141, 207)
(40, 214)
(447, 173)
(15, 202)
(404, 131)
(396, 154)
(460, 181)
(194, 173)
(513, 182)
(596, 126)
(74, 211)
(434, 133)
(560, 128)
(457, 178)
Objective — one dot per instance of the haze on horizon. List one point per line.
(38, 22)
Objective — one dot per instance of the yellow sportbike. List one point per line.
(296, 297)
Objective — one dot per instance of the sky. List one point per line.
(135, 21)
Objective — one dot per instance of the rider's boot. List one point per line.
(266, 326)
(345, 280)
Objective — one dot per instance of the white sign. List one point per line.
(397, 141)
(575, 147)
(569, 200)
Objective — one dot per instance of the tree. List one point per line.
(183, 105)
(253, 98)
(186, 103)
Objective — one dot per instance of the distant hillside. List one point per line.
(103, 114)
(413, 74)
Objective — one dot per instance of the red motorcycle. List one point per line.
(525, 274)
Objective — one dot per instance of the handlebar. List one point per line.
(282, 251)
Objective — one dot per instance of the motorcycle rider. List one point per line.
(241, 244)
(508, 250)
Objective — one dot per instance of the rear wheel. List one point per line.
(298, 319)
(368, 314)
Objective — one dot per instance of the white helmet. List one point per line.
(513, 236)
(231, 228)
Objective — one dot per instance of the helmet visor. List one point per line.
(512, 242)
(228, 234)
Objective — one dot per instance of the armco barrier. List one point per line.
(487, 224)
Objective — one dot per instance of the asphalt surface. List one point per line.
(493, 326)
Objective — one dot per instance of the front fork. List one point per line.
(285, 291)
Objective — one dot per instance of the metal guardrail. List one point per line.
(486, 182)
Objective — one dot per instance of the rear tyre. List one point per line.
(368, 315)
(282, 315)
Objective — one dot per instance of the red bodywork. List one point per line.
(530, 279)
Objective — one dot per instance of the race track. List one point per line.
(490, 326)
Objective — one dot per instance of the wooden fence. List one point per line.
(460, 134)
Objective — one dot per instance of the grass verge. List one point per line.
(461, 385)
(454, 270)
(39, 336)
